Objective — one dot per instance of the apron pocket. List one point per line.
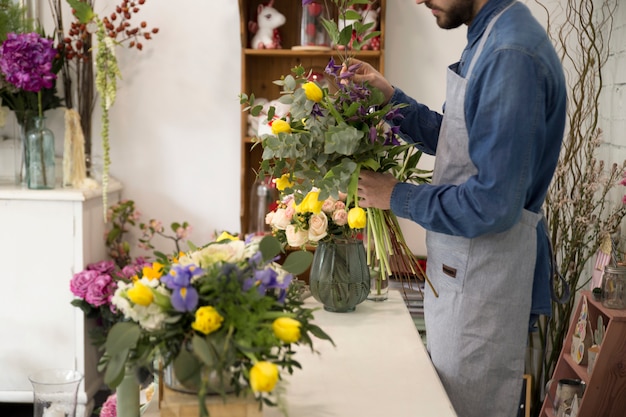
(447, 260)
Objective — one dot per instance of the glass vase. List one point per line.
(312, 32)
(55, 392)
(340, 277)
(127, 393)
(40, 169)
(379, 287)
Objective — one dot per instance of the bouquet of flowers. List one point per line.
(226, 308)
(332, 132)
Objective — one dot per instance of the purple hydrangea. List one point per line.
(26, 61)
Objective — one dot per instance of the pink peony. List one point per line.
(109, 408)
(100, 290)
(81, 281)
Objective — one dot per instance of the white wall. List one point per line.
(175, 128)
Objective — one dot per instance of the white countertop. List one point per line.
(60, 193)
(379, 367)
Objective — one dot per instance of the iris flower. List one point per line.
(184, 295)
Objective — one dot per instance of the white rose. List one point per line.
(295, 237)
(318, 227)
(280, 220)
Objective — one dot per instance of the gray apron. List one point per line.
(477, 328)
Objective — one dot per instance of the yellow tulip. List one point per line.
(310, 203)
(207, 320)
(287, 329)
(140, 294)
(263, 376)
(313, 92)
(280, 126)
(283, 182)
(226, 236)
(357, 218)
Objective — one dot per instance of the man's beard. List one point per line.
(461, 12)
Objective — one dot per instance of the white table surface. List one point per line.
(379, 367)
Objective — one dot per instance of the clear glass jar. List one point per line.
(312, 32)
(614, 287)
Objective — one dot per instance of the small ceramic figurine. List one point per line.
(265, 29)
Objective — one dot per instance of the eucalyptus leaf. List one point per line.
(122, 337)
(187, 369)
(298, 262)
(201, 349)
(116, 367)
(270, 247)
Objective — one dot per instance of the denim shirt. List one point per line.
(515, 109)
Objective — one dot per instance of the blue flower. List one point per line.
(184, 296)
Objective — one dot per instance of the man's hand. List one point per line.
(374, 189)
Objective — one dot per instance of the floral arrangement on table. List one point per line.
(330, 134)
(312, 220)
(225, 307)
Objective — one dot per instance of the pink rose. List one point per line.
(318, 227)
(340, 217)
(280, 219)
(329, 205)
(340, 205)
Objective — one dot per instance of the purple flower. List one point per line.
(100, 290)
(184, 296)
(267, 279)
(80, 282)
(104, 267)
(26, 61)
(305, 2)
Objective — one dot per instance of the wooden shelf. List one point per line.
(260, 67)
(605, 392)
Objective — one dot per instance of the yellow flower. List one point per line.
(283, 182)
(140, 294)
(263, 376)
(310, 203)
(280, 126)
(155, 271)
(313, 92)
(226, 236)
(356, 218)
(287, 329)
(208, 320)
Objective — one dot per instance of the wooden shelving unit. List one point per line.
(605, 392)
(260, 67)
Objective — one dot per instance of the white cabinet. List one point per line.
(45, 237)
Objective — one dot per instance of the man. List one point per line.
(497, 146)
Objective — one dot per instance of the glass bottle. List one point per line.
(40, 169)
(55, 392)
(312, 32)
(614, 287)
(262, 196)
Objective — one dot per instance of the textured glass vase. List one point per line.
(339, 277)
(55, 392)
(40, 169)
(312, 32)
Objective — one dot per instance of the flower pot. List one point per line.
(340, 277)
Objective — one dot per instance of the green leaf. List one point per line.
(187, 369)
(122, 337)
(298, 262)
(270, 247)
(116, 367)
(201, 349)
(84, 12)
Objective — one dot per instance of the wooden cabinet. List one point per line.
(46, 236)
(260, 67)
(605, 392)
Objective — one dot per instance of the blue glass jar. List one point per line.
(40, 164)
